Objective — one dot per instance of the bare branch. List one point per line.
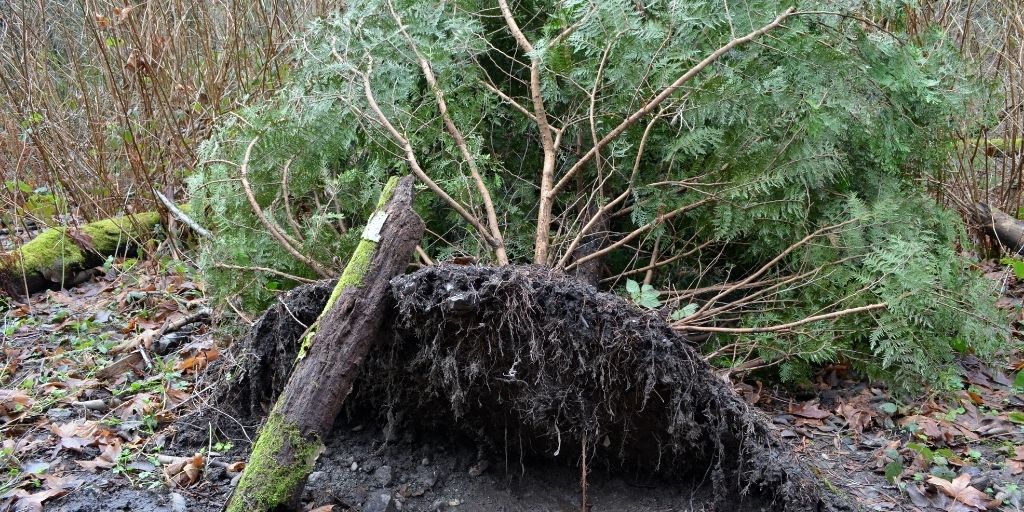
(639, 231)
(664, 94)
(787, 326)
(287, 203)
(710, 303)
(661, 263)
(414, 165)
(460, 142)
(272, 227)
(547, 139)
(182, 216)
(298, 279)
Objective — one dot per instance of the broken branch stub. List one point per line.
(292, 438)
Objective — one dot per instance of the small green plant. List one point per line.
(1016, 264)
(684, 312)
(644, 296)
(222, 446)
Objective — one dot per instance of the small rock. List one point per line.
(425, 461)
(478, 469)
(316, 475)
(380, 502)
(56, 414)
(383, 475)
(430, 481)
(178, 503)
(439, 505)
(454, 502)
(354, 466)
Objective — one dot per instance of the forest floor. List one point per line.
(94, 382)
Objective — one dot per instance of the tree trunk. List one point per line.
(292, 438)
(56, 257)
(1008, 230)
(590, 271)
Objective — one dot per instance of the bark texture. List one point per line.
(329, 361)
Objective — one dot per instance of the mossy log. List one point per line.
(57, 256)
(292, 438)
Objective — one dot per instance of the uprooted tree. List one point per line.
(759, 166)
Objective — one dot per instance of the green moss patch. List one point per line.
(54, 247)
(358, 263)
(268, 482)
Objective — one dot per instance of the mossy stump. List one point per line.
(330, 358)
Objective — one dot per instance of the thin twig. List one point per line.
(460, 142)
(423, 256)
(298, 279)
(787, 326)
(287, 206)
(770, 264)
(414, 165)
(639, 231)
(664, 94)
(182, 216)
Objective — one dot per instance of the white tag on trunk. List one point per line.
(374, 225)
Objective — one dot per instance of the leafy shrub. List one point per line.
(778, 183)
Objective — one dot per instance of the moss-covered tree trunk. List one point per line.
(57, 255)
(292, 437)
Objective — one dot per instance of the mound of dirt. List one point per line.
(536, 366)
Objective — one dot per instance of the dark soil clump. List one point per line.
(536, 369)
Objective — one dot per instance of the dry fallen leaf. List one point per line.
(76, 435)
(184, 472)
(13, 404)
(809, 411)
(1016, 462)
(960, 490)
(858, 417)
(34, 502)
(106, 459)
(198, 361)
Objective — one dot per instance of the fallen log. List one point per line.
(59, 256)
(1007, 229)
(329, 358)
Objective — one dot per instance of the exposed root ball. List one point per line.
(540, 363)
(268, 353)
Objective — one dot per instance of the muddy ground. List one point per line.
(418, 472)
(859, 441)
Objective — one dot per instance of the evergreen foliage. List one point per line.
(826, 120)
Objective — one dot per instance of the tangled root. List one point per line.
(538, 364)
